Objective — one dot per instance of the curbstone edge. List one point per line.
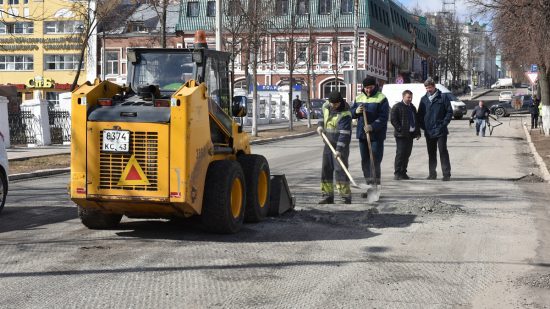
(538, 159)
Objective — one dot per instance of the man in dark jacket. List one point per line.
(435, 113)
(534, 110)
(405, 122)
(336, 124)
(480, 115)
(376, 105)
(297, 105)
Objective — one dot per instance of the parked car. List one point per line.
(3, 172)
(505, 96)
(505, 109)
(317, 108)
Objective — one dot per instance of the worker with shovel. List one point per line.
(335, 127)
(372, 105)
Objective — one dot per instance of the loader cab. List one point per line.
(159, 73)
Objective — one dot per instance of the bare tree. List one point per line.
(234, 26)
(532, 20)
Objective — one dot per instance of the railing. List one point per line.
(23, 126)
(60, 125)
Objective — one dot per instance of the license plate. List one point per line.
(116, 141)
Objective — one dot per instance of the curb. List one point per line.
(38, 156)
(540, 162)
(281, 138)
(56, 171)
(39, 173)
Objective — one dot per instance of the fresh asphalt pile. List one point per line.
(428, 205)
(531, 178)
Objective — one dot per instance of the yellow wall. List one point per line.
(39, 11)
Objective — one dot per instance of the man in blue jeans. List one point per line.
(377, 108)
(435, 113)
(480, 115)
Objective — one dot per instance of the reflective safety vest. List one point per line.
(337, 125)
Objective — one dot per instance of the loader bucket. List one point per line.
(280, 198)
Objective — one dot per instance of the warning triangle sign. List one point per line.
(133, 175)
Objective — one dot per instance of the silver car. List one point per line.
(3, 172)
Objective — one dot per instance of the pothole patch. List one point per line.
(531, 178)
(427, 206)
(541, 281)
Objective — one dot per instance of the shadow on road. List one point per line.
(32, 218)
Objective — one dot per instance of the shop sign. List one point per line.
(38, 82)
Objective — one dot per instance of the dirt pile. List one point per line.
(531, 178)
(428, 205)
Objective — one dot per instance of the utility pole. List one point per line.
(355, 48)
(219, 25)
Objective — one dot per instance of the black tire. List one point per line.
(3, 189)
(96, 220)
(223, 208)
(458, 117)
(500, 112)
(257, 175)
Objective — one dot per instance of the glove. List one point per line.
(359, 110)
(368, 128)
(338, 154)
(320, 130)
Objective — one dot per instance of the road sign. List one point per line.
(534, 68)
(532, 77)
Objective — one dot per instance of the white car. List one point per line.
(3, 172)
(505, 96)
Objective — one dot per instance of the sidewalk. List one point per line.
(476, 94)
(21, 153)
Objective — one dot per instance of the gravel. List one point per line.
(423, 206)
(541, 281)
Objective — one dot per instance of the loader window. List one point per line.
(217, 82)
(169, 71)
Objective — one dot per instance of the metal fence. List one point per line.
(23, 126)
(60, 125)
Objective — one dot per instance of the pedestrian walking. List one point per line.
(534, 110)
(435, 113)
(336, 125)
(377, 109)
(480, 115)
(297, 105)
(404, 120)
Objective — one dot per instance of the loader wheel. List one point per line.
(97, 220)
(224, 197)
(256, 172)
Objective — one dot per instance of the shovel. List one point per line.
(353, 183)
(373, 193)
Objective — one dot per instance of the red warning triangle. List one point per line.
(133, 175)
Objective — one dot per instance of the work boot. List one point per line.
(432, 177)
(397, 177)
(446, 178)
(405, 177)
(327, 200)
(346, 200)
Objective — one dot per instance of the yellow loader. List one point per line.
(166, 145)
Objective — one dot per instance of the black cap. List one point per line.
(335, 97)
(369, 81)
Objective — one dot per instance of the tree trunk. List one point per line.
(163, 24)
(544, 84)
(80, 63)
(254, 97)
(290, 104)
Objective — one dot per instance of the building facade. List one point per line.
(480, 56)
(40, 48)
(392, 45)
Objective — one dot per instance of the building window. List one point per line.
(234, 8)
(281, 7)
(345, 53)
(17, 27)
(301, 52)
(302, 7)
(325, 7)
(52, 98)
(61, 62)
(112, 58)
(192, 9)
(211, 8)
(346, 7)
(280, 53)
(16, 63)
(324, 54)
(66, 26)
(136, 26)
(241, 84)
(13, 2)
(333, 85)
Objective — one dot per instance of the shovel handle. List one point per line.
(372, 171)
(339, 160)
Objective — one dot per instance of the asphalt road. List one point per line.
(480, 240)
